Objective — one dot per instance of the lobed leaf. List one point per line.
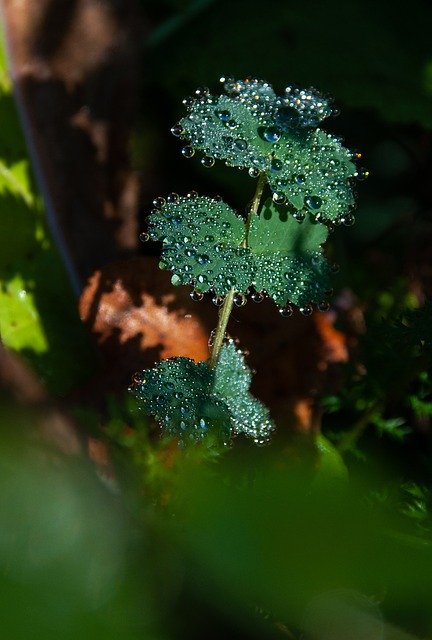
(254, 128)
(191, 400)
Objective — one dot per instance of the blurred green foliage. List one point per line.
(38, 316)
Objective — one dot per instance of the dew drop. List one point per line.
(202, 259)
(240, 144)
(196, 295)
(177, 130)
(276, 164)
(231, 124)
(254, 173)
(278, 198)
(223, 115)
(334, 268)
(300, 179)
(188, 151)
(240, 300)
(257, 297)
(192, 195)
(348, 220)
(323, 306)
(306, 310)
(159, 202)
(218, 301)
(202, 91)
(313, 202)
(269, 134)
(207, 162)
(209, 238)
(286, 311)
(299, 216)
(362, 173)
(188, 102)
(144, 236)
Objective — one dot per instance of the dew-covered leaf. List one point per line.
(232, 379)
(289, 263)
(191, 400)
(202, 240)
(313, 171)
(254, 128)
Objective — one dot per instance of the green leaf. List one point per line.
(193, 401)
(202, 240)
(232, 379)
(289, 264)
(254, 128)
(314, 172)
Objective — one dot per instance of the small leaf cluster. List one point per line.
(276, 251)
(192, 400)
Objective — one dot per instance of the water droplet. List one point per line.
(258, 297)
(323, 306)
(159, 202)
(306, 310)
(144, 236)
(223, 115)
(276, 164)
(240, 300)
(192, 195)
(177, 130)
(278, 198)
(202, 91)
(254, 173)
(188, 102)
(202, 259)
(335, 268)
(196, 295)
(231, 124)
(209, 238)
(207, 162)
(286, 311)
(300, 179)
(313, 202)
(218, 301)
(173, 197)
(348, 220)
(299, 216)
(202, 279)
(269, 134)
(362, 173)
(188, 151)
(240, 144)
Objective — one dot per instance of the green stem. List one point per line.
(224, 314)
(255, 204)
(226, 308)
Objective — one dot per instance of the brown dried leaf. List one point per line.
(138, 317)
